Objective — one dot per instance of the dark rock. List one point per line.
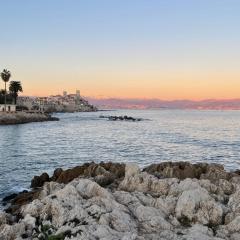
(24, 198)
(105, 179)
(184, 170)
(53, 118)
(10, 197)
(106, 173)
(56, 174)
(215, 172)
(121, 118)
(38, 181)
(20, 200)
(237, 172)
(94, 170)
(68, 175)
(117, 169)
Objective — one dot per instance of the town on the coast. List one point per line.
(16, 109)
(57, 103)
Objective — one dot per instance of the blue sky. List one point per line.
(106, 47)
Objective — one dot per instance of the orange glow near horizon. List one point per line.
(166, 86)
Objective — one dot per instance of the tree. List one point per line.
(5, 75)
(14, 88)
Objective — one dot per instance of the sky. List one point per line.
(166, 49)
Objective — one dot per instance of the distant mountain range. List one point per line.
(117, 103)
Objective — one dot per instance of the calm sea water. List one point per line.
(168, 135)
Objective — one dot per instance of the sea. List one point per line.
(163, 135)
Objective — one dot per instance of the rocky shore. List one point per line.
(111, 201)
(24, 117)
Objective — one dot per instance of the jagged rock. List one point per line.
(209, 213)
(225, 186)
(199, 232)
(182, 170)
(29, 221)
(10, 232)
(68, 175)
(233, 226)
(144, 182)
(134, 205)
(234, 206)
(9, 197)
(117, 169)
(104, 174)
(185, 185)
(20, 200)
(57, 172)
(3, 218)
(38, 181)
(215, 172)
(189, 202)
(150, 219)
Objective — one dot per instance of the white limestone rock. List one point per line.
(199, 232)
(209, 213)
(87, 189)
(10, 232)
(185, 185)
(234, 206)
(29, 221)
(146, 183)
(188, 203)
(142, 207)
(234, 226)
(131, 170)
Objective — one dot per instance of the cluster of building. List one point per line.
(56, 103)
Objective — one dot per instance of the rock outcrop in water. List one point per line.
(122, 118)
(149, 204)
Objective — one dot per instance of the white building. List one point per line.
(9, 108)
(64, 93)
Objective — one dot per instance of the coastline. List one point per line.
(24, 117)
(118, 201)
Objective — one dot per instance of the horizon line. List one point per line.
(142, 98)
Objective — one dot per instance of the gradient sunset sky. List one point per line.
(166, 49)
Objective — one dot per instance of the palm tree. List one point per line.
(14, 88)
(5, 75)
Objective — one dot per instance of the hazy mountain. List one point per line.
(112, 103)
